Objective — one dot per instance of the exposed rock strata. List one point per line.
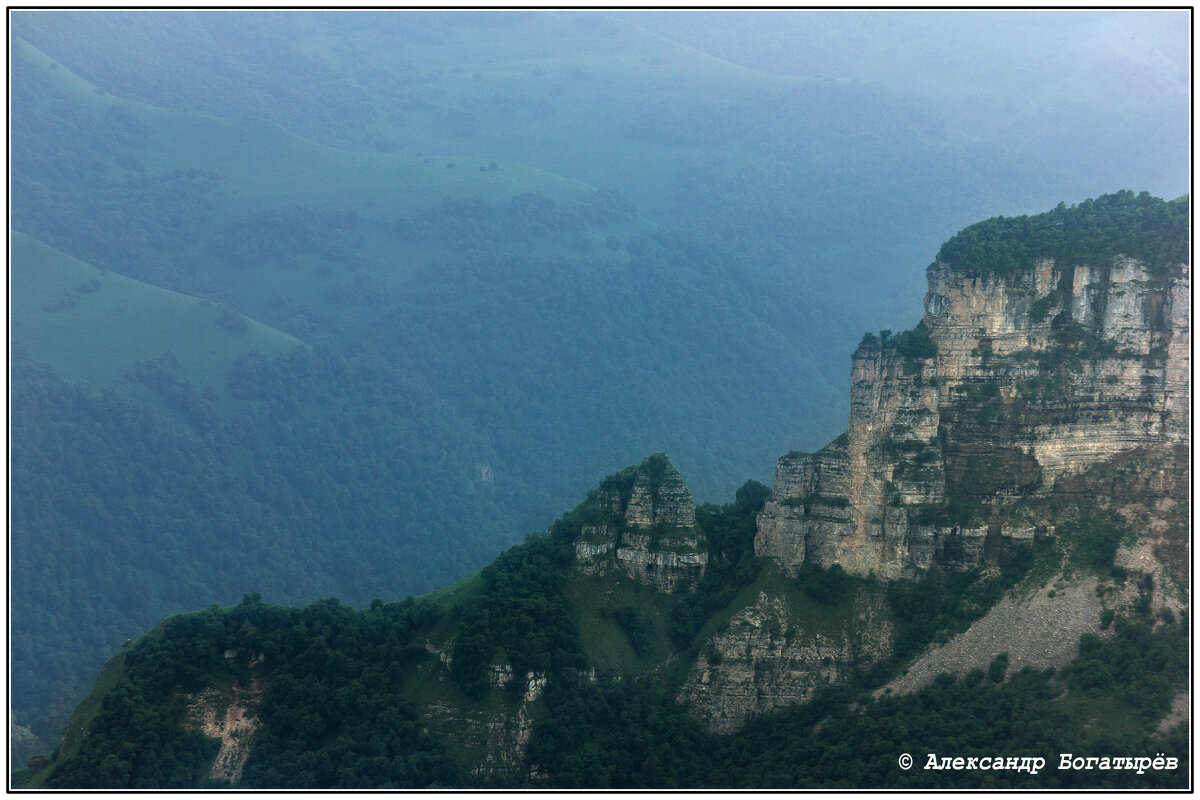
(646, 527)
(496, 734)
(498, 739)
(1037, 377)
(766, 659)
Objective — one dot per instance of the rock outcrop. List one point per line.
(497, 737)
(768, 657)
(1012, 383)
(231, 716)
(643, 522)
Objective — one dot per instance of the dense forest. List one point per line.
(339, 304)
(343, 710)
(266, 497)
(1136, 226)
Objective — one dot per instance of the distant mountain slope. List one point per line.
(788, 184)
(561, 243)
(547, 279)
(848, 179)
(996, 551)
(985, 71)
(93, 325)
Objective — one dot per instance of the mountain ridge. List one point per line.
(596, 628)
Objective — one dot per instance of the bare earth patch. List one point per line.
(228, 715)
(1036, 630)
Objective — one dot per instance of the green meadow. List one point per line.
(94, 325)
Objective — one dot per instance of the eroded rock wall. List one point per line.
(767, 659)
(1037, 376)
(649, 529)
(1047, 373)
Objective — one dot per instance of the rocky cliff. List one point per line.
(644, 523)
(770, 655)
(1044, 398)
(1014, 380)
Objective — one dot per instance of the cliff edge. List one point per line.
(1038, 358)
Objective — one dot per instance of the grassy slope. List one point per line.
(445, 85)
(260, 166)
(83, 715)
(605, 643)
(114, 321)
(263, 164)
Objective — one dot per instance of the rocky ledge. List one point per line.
(1012, 383)
(643, 522)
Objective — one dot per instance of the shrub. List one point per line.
(828, 586)
(997, 668)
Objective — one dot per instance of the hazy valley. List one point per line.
(343, 304)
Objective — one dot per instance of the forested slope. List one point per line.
(642, 641)
(356, 699)
(524, 249)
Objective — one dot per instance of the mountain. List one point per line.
(1047, 346)
(995, 551)
(991, 84)
(519, 250)
(472, 329)
(93, 326)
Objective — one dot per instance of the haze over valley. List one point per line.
(343, 304)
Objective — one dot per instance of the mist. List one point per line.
(1071, 89)
(344, 303)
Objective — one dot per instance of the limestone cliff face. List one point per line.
(645, 525)
(767, 657)
(497, 737)
(1037, 376)
(1119, 335)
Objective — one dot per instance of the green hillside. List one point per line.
(93, 326)
(521, 249)
(426, 693)
(799, 183)
(263, 163)
(521, 289)
(847, 179)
